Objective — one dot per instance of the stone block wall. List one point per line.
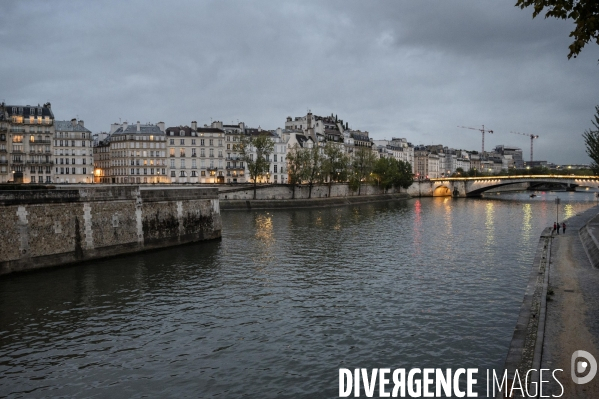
(284, 191)
(42, 228)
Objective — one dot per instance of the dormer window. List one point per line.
(172, 133)
(182, 133)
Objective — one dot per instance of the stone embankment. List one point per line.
(50, 227)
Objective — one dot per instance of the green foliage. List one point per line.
(591, 141)
(261, 146)
(314, 160)
(335, 163)
(296, 164)
(362, 164)
(390, 172)
(585, 14)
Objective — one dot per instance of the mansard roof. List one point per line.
(29, 110)
(132, 129)
(67, 126)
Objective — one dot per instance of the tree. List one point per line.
(591, 140)
(362, 165)
(405, 177)
(391, 172)
(296, 166)
(313, 170)
(585, 14)
(254, 152)
(334, 165)
(385, 171)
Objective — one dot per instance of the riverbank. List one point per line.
(560, 311)
(241, 205)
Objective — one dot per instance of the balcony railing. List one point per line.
(40, 162)
(40, 141)
(3, 161)
(17, 130)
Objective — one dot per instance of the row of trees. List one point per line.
(332, 165)
(328, 164)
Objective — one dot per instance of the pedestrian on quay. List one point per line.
(558, 227)
(554, 227)
(564, 227)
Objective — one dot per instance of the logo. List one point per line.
(579, 367)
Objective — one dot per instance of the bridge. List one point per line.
(475, 186)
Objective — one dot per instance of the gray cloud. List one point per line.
(408, 69)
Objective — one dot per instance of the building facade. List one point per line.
(26, 143)
(73, 153)
(138, 154)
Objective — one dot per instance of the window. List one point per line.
(172, 163)
(201, 141)
(172, 142)
(84, 171)
(193, 152)
(203, 173)
(228, 146)
(182, 152)
(173, 173)
(182, 164)
(275, 170)
(182, 141)
(193, 141)
(212, 152)
(275, 157)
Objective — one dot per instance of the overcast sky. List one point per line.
(414, 69)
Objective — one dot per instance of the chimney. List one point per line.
(259, 128)
(160, 126)
(138, 127)
(74, 122)
(194, 125)
(125, 124)
(81, 123)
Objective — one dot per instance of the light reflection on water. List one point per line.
(285, 299)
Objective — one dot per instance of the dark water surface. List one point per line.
(282, 302)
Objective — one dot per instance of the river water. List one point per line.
(284, 300)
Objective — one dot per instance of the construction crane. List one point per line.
(532, 137)
(483, 132)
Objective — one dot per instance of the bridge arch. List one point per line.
(442, 191)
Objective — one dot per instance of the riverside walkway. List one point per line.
(572, 315)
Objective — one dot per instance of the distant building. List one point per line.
(73, 153)
(26, 143)
(515, 152)
(138, 154)
(102, 161)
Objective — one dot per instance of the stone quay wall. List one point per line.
(285, 191)
(43, 228)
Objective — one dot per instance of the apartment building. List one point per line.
(73, 152)
(26, 143)
(138, 154)
(102, 161)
